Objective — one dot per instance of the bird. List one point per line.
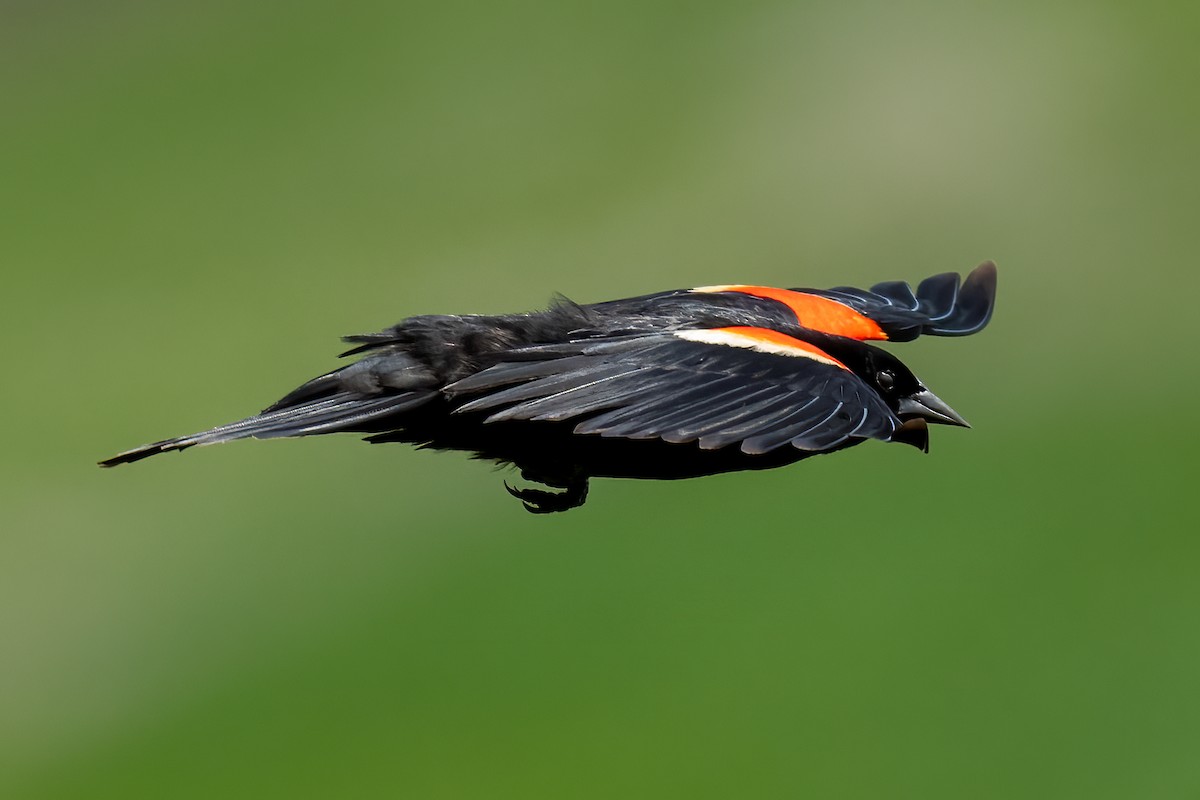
(677, 384)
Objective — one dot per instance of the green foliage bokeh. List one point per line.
(197, 199)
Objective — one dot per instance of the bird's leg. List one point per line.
(574, 485)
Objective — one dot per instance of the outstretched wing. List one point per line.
(752, 386)
(940, 306)
(889, 310)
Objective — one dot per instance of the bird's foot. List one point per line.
(538, 501)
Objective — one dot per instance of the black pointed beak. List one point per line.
(927, 405)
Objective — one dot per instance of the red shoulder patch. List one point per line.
(813, 312)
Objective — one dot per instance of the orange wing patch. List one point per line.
(764, 340)
(813, 312)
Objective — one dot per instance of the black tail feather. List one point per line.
(343, 411)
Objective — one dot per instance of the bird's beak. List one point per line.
(927, 405)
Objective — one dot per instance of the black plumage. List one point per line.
(670, 385)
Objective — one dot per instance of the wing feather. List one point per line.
(702, 402)
(680, 389)
(939, 307)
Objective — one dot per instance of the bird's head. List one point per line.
(895, 383)
(903, 392)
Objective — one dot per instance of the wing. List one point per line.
(940, 306)
(752, 386)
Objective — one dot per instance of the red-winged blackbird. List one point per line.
(672, 385)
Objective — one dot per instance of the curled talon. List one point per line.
(539, 501)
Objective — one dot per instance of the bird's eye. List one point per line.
(886, 379)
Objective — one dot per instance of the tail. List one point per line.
(357, 398)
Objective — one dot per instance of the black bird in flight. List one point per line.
(678, 384)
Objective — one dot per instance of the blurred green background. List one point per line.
(197, 199)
